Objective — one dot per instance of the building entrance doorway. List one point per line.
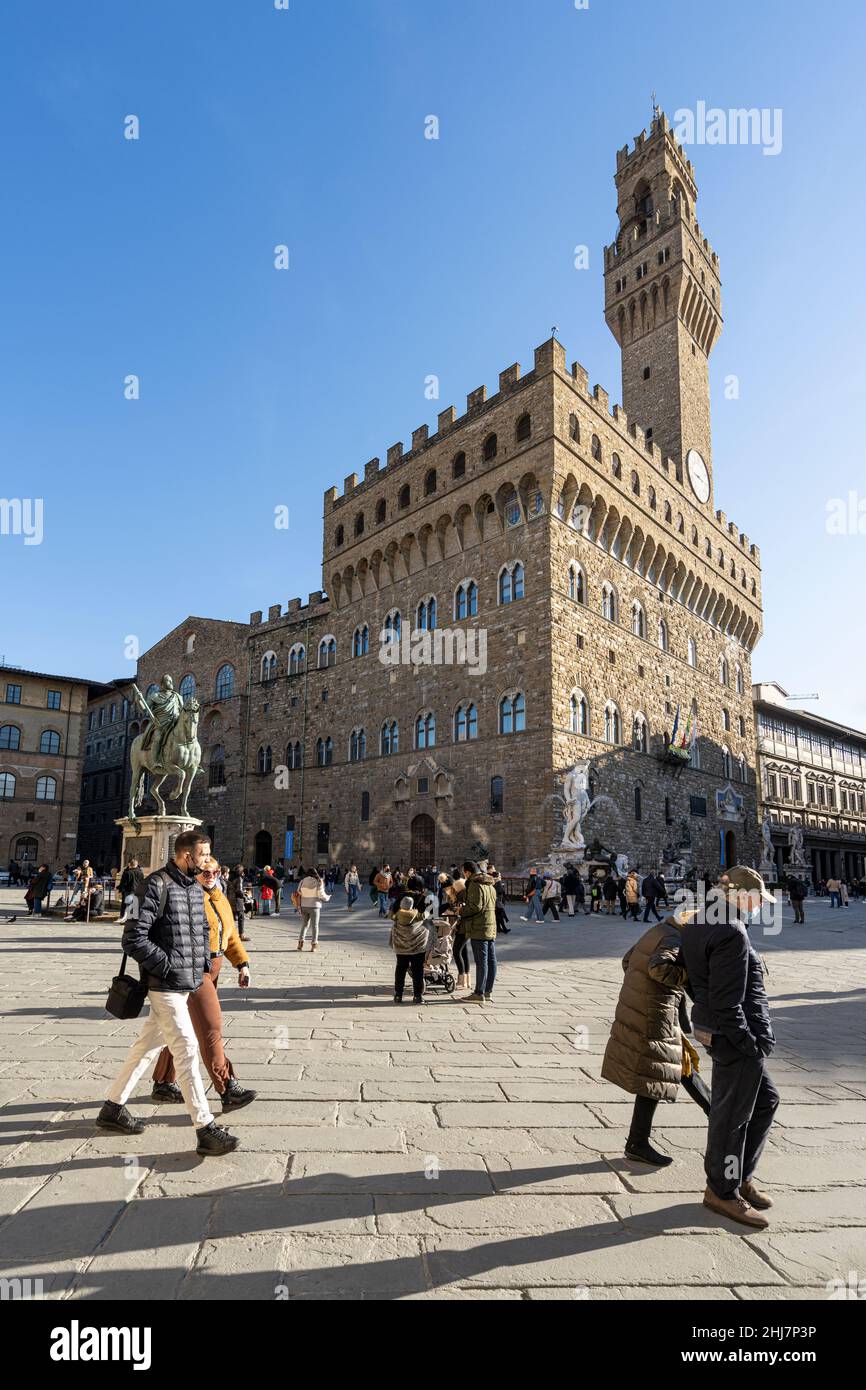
(423, 850)
(264, 846)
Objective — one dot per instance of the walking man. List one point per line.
(797, 891)
(732, 1019)
(170, 940)
(650, 890)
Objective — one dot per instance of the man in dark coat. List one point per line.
(170, 940)
(731, 1018)
(650, 890)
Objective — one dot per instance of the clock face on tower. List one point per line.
(698, 475)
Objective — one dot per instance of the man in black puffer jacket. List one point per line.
(170, 940)
(732, 1018)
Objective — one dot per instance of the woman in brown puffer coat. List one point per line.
(646, 1053)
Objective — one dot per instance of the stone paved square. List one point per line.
(403, 1152)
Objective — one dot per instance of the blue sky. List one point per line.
(407, 257)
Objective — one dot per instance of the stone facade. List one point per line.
(106, 771)
(41, 754)
(198, 650)
(812, 774)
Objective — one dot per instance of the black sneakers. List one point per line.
(643, 1152)
(235, 1096)
(166, 1093)
(214, 1141)
(118, 1119)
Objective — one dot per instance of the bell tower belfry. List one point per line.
(663, 302)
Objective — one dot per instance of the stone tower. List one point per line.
(663, 303)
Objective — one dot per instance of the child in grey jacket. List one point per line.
(409, 940)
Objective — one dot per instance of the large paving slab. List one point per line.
(397, 1152)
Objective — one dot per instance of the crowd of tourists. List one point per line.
(183, 922)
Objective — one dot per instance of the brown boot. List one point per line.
(755, 1198)
(736, 1209)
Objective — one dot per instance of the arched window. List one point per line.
(635, 483)
(511, 582)
(294, 757)
(425, 617)
(466, 600)
(7, 786)
(404, 498)
(512, 713)
(357, 746)
(608, 602)
(339, 535)
(663, 635)
(46, 788)
(681, 525)
(359, 524)
(497, 788)
(638, 805)
(297, 659)
(579, 713)
(489, 448)
(10, 737)
(265, 759)
(361, 641)
(574, 427)
(186, 688)
(639, 735)
(742, 768)
(153, 689)
(523, 429)
(612, 725)
(328, 651)
(723, 671)
(651, 498)
(576, 584)
(217, 766)
(727, 767)
(225, 682)
(669, 516)
(269, 666)
(389, 738)
(381, 511)
(693, 652)
(394, 623)
(638, 620)
(49, 741)
(425, 730)
(430, 483)
(595, 450)
(190, 644)
(726, 719)
(458, 465)
(739, 675)
(465, 723)
(741, 726)
(324, 752)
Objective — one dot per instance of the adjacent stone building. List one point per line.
(208, 661)
(580, 549)
(106, 772)
(812, 774)
(41, 747)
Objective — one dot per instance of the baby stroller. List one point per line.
(437, 970)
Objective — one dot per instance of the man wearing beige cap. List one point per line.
(731, 1018)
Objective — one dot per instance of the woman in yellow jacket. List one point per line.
(204, 1006)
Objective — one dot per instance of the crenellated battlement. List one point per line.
(295, 608)
(549, 356)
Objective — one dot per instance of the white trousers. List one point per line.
(167, 1025)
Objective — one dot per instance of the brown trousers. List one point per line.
(207, 1020)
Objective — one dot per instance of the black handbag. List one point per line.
(126, 996)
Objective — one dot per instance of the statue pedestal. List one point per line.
(150, 839)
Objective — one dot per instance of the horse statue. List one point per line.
(180, 756)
